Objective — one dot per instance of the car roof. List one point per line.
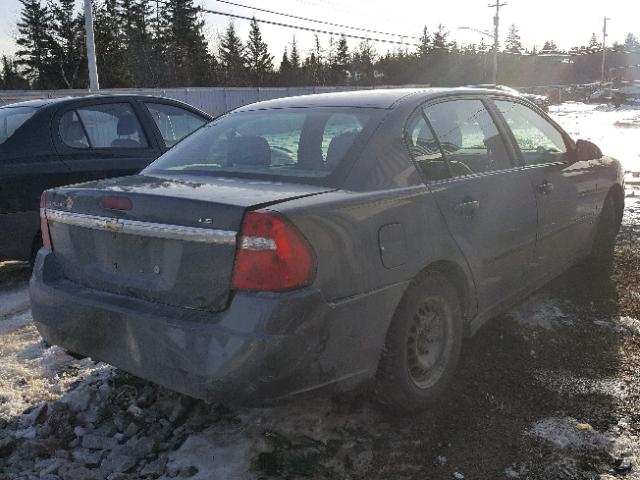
(384, 98)
(41, 102)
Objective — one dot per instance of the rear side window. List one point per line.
(340, 132)
(12, 118)
(174, 123)
(71, 131)
(112, 125)
(539, 141)
(468, 137)
(425, 150)
(297, 142)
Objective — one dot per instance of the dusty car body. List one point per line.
(52, 142)
(162, 273)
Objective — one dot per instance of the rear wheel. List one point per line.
(423, 345)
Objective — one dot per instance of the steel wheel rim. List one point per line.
(426, 345)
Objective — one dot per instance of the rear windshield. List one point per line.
(307, 143)
(11, 118)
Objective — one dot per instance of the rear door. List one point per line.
(486, 199)
(104, 138)
(566, 193)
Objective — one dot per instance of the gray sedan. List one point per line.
(322, 241)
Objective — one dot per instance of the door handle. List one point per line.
(545, 187)
(467, 207)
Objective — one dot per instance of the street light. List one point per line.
(495, 49)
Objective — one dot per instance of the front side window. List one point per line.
(468, 137)
(174, 123)
(295, 142)
(71, 131)
(12, 118)
(539, 141)
(112, 125)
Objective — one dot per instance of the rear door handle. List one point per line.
(467, 207)
(545, 187)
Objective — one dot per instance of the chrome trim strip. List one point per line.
(144, 229)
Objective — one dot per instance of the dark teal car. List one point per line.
(323, 241)
(54, 142)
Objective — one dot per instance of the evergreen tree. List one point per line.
(314, 64)
(440, 38)
(259, 62)
(187, 58)
(284, 71)
(111, 50)
(295, 55)
(513, 43)
(10, 78)
(424, 46)
(134, 18)
(232, 57)
(341, 61)
(34, 42)
(285, 64)
(593, 45)
(482, 47)
(69, 61)
(631, 43)
(549, 47)
(296, 74)
(363, 62)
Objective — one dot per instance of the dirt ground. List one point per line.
(550, 390)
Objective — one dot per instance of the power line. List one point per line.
(307, 19)
(339, 7)
(300, 27)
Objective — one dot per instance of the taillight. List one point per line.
(44, 225)
(272, 254)
(116, 203)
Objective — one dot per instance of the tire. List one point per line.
(423, 345)
(601, 256)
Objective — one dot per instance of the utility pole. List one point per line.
(91, 47)
(496, 30)
(604, 48)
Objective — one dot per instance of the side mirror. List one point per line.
(586, 150)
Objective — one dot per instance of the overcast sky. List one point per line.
(568, 23)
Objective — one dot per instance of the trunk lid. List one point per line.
(176, 243)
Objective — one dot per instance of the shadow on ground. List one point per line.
(545, 391)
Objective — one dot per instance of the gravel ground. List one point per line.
(549, 390)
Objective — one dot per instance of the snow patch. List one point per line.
(601, 125)
(564, 433)
(214, 456)
(565, 383)
(623, 325)
(13, 301)
(541, 311)
(31, 372)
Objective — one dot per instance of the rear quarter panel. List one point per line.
(361, 283)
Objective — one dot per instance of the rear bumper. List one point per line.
(263, 347)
